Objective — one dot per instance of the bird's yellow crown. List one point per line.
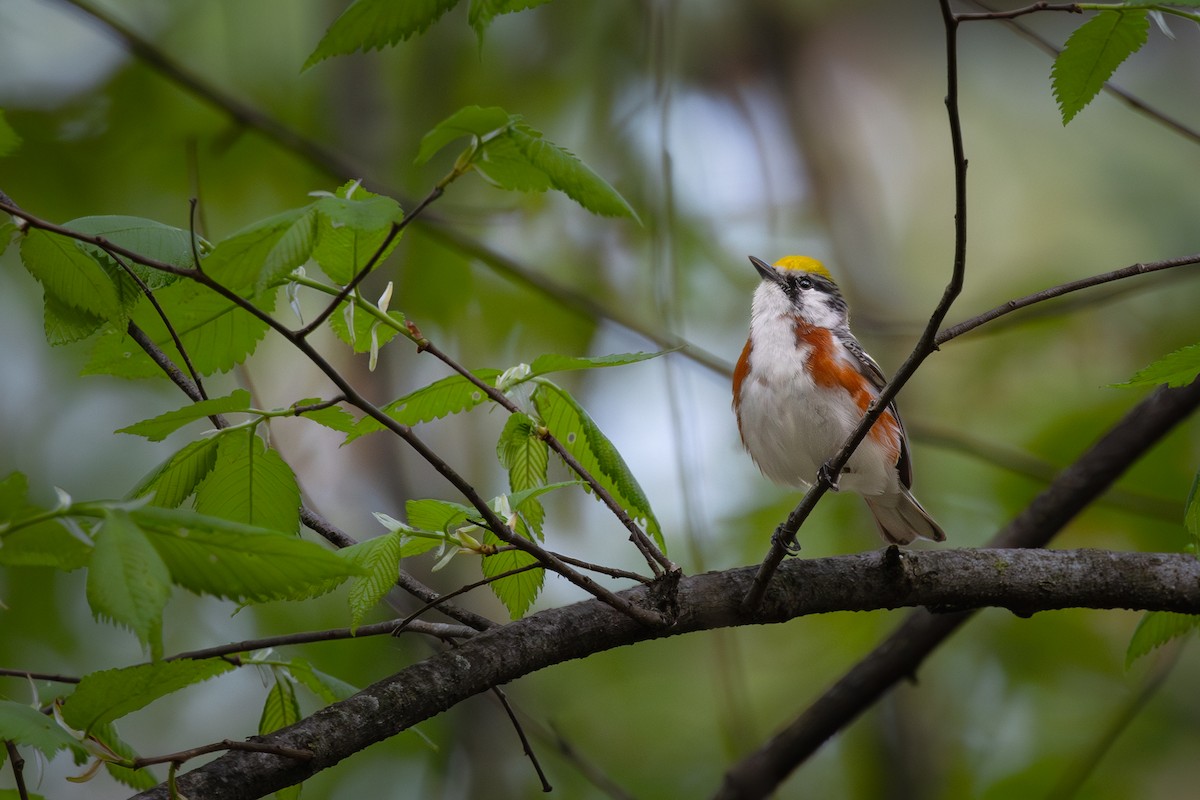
(803, 264)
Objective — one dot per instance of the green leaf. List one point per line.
(110, 694)
(414, 540)
(474, 121)
(250, 483)
(291, 250)
(380, 560)
(484, 11)
(116, 353)
(208, 555)
(516, 592)
(281, 708)
(545, 364)
(517, 498)
(139, 779)
(328, 688)
(70, 276)
(217, 334)
(43, 544)
(164, 425)
(360, 338)
(64, 324)
(9, 139)
(526, 457)
(439, 399)
(1191, 511)
(8, 230)
(127, 581)
(333, 417)
(29, 727)
(375, 24)
(570, 175)
(1174, 369)
(1091, 55)
(583, 439)
(437, 515)
(46, 544)
(516, 157)
(1156, 629)
(174, 481)
(503, 163)
(351, 230)
(145, 237)
(239, 261)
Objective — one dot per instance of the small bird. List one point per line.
(803, 383)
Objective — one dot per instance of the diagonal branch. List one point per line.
(785, 535)
(655, 558)
(1052, 292)
(335, 165)
(646, 616)
(899, 656)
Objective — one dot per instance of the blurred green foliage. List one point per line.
(761, 127)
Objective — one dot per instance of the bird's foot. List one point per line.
(788, 541)
(825, 475)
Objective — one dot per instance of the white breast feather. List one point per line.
(784, 418)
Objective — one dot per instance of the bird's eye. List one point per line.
(804, 283)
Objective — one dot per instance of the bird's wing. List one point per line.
(871, 371)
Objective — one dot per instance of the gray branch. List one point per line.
(1024, 581)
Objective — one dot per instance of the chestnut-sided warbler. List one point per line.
(802, 384)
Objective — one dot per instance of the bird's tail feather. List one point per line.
(901, 519)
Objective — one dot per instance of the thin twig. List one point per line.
(333, 164)
(1058, 291)
(525, 745)
(18, 768)
(655, 558)
(389, 628)
(491, 520)
(166, 321)
(1070, 8)
(901, 653)
(411, 618)
(38, 676)
(924, 347)
(1127, 97)
(395, 231)
(612, 572)
(216, 747)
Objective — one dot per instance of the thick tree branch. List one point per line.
(1025, 581)
(903, 651)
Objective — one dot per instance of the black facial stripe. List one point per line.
(791, 286)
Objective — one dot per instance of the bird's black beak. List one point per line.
(766, 270)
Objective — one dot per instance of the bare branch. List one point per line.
(655, 558)
(492, 521)
(296, 753)
(1026, 581)
(389, 628)
(18, 768)
(1125, 96)
(1058, 291)
(1070, 8)
(899, 656)
(38, 676)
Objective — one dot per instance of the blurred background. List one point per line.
(763, 127)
